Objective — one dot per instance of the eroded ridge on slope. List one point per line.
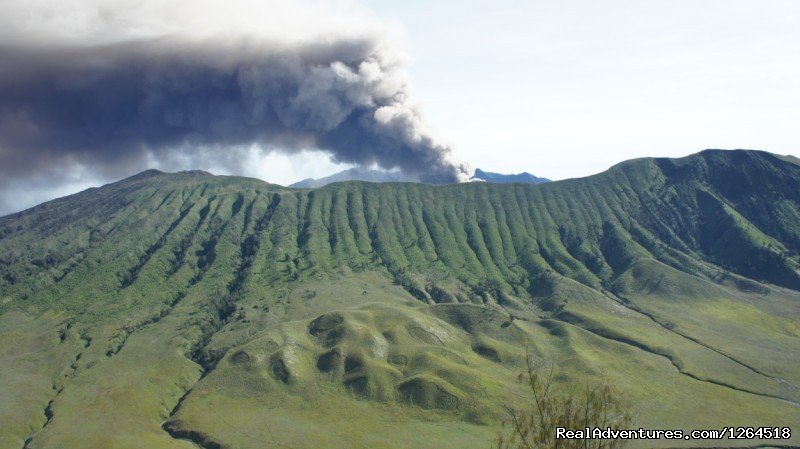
(666, 262)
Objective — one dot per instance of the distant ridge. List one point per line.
(523, 177)
(151, 172)
(354, 174)
(370, 175)
(145, 174)
(195, 173)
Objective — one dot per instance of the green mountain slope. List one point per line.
(186, 310)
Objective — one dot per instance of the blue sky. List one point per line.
(568, 88)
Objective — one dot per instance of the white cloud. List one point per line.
(285, 169)
(108, 21)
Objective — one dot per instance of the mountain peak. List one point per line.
(149, 173)
(152, 172)
(524, 177)
(195, 173)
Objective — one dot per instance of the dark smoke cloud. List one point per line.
(116, 106)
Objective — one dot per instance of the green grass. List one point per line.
(677, 279)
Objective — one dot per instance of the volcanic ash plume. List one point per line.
(113, 98)
(112, 103)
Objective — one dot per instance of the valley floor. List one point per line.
(357, 362)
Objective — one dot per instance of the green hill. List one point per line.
(190, 310)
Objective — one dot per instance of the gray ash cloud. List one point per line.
(114, 107)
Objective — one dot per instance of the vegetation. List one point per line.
(188, 309)
(599, 406)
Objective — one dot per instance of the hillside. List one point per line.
(190, 310)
